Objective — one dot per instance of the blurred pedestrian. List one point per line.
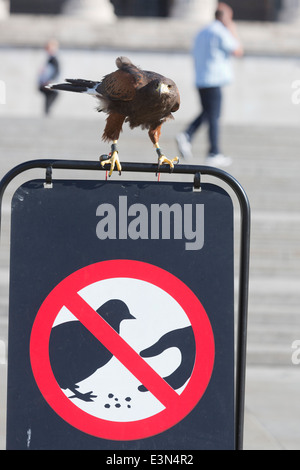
(49, 72)
(213, 47)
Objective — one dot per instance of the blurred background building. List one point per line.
(256, 10)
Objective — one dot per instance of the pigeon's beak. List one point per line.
(162, 88)
(128, 316)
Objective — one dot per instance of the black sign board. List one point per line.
(121, 318)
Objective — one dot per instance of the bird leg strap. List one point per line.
(163, 159)
(113, 159)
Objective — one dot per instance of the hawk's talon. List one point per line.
(164, 160)
(112, 159)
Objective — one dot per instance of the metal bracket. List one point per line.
(48, 180)
(197, 181)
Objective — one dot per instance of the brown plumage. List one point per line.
(132, 95)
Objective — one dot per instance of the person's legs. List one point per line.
(194, 125)
(211, 99)
(184, 139)
(50, 98)
(212, 102)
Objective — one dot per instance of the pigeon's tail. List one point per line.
(76, 85)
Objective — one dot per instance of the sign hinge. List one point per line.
(48, 178)
(197, 181)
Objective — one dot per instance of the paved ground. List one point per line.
(260, 133)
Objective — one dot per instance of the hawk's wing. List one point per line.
(121, 84)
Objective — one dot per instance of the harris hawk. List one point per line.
(129, 94)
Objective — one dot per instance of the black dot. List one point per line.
(110, 395)
(127, 399)
(117, 405)
(107, 405)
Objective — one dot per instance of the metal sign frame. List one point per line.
(244, 260)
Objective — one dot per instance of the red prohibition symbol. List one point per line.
(175, 406)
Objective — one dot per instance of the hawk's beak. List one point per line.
(163, 88)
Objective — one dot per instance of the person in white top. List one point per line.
(213, 47)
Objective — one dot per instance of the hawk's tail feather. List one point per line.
(82, 82)
(68, 87)
(77, 85)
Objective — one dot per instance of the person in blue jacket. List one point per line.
(213, 47)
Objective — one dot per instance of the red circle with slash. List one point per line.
(176, 406)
